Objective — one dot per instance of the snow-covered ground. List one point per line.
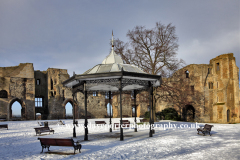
(181, 141)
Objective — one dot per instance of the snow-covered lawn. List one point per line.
(177, 142)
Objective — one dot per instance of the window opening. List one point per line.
(69, 110)
(218, 67)
(51, 84)
(109, 110)
(16, 110)
(133, 111)
(107, 95)
(187, 73)
(210, 85)
(63, 94)
(38, 82)
(192, 90)
(3, 94)
(228, 115)
(95, 94)
(38, 102)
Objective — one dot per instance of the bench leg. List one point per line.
(203, 133)
(78, 147)
(45, 146)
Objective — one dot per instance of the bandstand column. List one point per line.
(121, 129)
(153, 131)
(74, 129)
(109, 101)
(150, 103)
(135, 105)
(86, 121)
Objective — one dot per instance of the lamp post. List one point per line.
(74, 129)
(110, 107)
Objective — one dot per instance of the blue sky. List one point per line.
(75, 35)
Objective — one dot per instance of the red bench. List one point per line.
(4, 126)
(125, 123)
(42, 130)
(100, 122)
(47, 142)
(206, 129)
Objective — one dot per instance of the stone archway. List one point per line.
(66, 101)
(23, 108)
(189, 113)
(109, 110)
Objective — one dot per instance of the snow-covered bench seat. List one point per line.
(144, 120)
(4, 126)
(42, 130)
(47, 142)
(100, 122)
(206, 129)
(125, 123)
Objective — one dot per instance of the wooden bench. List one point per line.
(47, 142)
(52, 123)
(100, 122)
(2, 119)
(42, 130)
(206, 129)
(144, 120)
(4, 126)
(125, 123)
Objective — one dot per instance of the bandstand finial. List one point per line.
(112, 40)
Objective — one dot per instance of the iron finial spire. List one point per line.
(112, 40)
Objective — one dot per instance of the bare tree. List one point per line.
(152, 50)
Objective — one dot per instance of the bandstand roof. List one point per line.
(108, 75)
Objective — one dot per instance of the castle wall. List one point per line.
(19, 84)
(211, 104)
(219, 103)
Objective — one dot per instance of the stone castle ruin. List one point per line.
(213, 91)
(42, 92)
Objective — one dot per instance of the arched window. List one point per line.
(16, 110)
(69, 111)
(51, 84)
(109, 110)
(3, 94)
(63, 95)
(187, 73)
(218, 68)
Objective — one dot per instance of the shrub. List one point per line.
(168, 114)
(147, 114)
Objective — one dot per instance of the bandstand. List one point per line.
(113, 76)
